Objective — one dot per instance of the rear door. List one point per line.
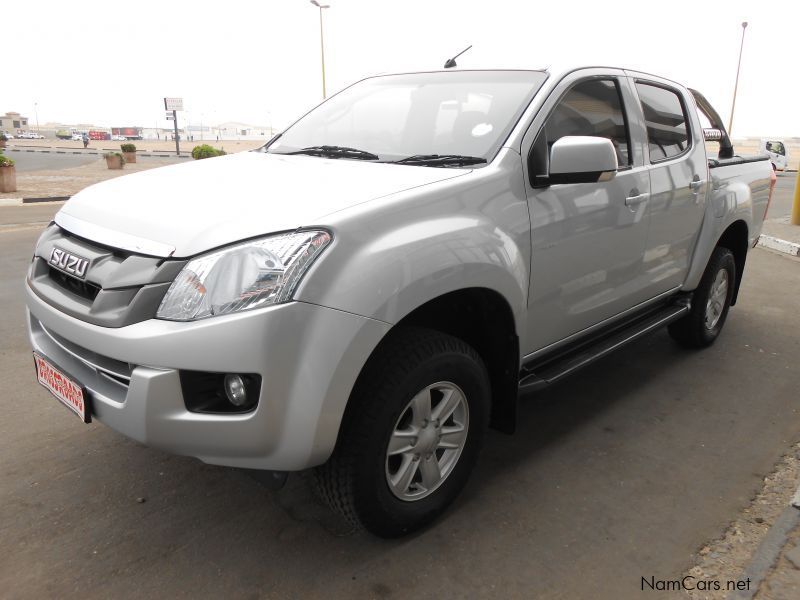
(587, 239)
(678, 167)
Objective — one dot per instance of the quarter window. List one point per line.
(665, 118)
(776, 147)
(592, 107)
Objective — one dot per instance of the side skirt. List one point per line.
(543, 371)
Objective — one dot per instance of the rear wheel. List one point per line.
(710, 303)
(411, 435)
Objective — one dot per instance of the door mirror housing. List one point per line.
(582, 159)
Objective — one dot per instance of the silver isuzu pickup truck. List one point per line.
(378, 284)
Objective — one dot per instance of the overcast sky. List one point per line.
(111, 63)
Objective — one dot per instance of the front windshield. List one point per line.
(467, 113)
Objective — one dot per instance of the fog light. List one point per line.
(235, 391)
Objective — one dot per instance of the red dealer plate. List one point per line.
(70, 393)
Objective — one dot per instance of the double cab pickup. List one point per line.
(369, 291)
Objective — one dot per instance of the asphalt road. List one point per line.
(620, 473)
(41, 161)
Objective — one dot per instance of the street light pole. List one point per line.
(321, 42)
(36, 110)
(736, 85)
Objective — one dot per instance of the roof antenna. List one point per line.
(451, 62)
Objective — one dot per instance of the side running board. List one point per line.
(550, 369)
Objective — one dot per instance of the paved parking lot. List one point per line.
(621, 473)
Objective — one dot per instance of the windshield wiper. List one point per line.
(337, 152)
(440, 160)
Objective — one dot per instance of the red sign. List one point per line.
(62, 387)
(128, 132)
(99, 135)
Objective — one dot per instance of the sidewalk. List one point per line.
(62, 183)
(779, 234)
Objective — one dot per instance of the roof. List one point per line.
(555, 70)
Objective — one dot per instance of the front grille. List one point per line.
(80, 288)
(119, 288)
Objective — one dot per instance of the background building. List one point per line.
(13, 122)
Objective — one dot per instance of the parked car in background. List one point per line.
(119, 138)
(368, 292)
(77, 137)
(778, 155)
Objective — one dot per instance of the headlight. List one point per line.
(249, 275)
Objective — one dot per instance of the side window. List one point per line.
(592, 107)
(665, 118)
(777, 148)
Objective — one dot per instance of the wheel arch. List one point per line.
(482, 318)
(734, 238)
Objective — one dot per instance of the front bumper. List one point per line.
(308, 357)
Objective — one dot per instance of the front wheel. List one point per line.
(411, 435)
(710, 303)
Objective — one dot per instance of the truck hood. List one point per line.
(182, 210)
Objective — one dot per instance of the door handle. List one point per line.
(696, 184)
(634, 200)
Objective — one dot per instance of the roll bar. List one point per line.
(725, 146)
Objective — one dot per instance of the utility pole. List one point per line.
(321, 42)
(177, 136)
(173, 105)
(736, 85)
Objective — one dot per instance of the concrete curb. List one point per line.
(46, 199)
(766, 556)
(97, 151)
(779, 245)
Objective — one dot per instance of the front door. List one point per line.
(587, 239)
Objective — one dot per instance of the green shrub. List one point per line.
(206, 151)
(128, 147)
(5, 161)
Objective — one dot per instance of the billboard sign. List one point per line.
(173, 103)
(132, 133)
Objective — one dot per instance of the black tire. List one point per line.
(354, 481)
(692, 330)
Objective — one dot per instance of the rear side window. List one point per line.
(592, 107)
(665, 118)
